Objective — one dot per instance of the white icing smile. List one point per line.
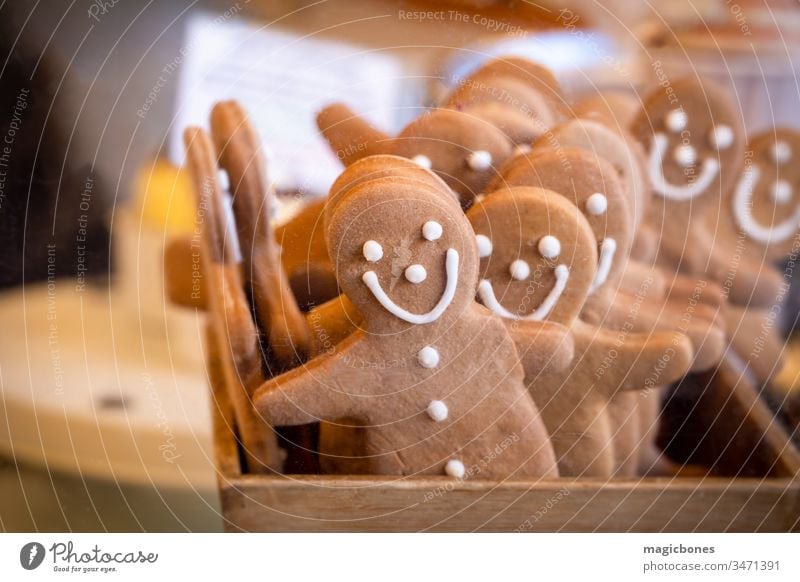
(488, 298)
(742, 203)
(679, 193)
(370, 279)
(604, 262)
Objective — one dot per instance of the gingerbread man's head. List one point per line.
(692, 135)
(538, 255)
(592, 185)
(400, 270)
(462, 149)
(764, 205)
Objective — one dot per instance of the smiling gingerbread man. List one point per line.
(432, 376)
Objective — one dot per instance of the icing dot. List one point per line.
(480, 160)
(781, 152)
(522, 149)
(781, 191)
(432, 230)
(416, 274)
(422, 160)
(722, 137)
(428, 357)
(437, 410)
(596, 204)
(373, 251)
(676, 120)
(549, 247)
(455, 468)
(484, 245)
(685, 155)
(519, 270)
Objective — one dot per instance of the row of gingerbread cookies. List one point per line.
(696, 207)
(429, 380)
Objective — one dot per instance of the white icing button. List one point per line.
(480, 160)
(432, 230)
(722, 137)
(781, 152)
(676, 120)
(685, 155)
(596, 204)
(422, 160)
(549, 247)
(781, 191)
(437, 410)
(373, 251)
(484, 245)
(428, 357)
(519, 270)
(416, 274)
(522, 149)
(455, 468)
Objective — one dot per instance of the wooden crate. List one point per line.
(314, 503)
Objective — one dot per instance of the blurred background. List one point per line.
(105, 420)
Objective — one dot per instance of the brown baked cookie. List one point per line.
(524, 71)
(758, 222)
(692, 135)
(514, 107)
(237, 346)
(241, 157)
(432, 376)
(583, 177)
(539, 257)
(616, 109)
(462, 149)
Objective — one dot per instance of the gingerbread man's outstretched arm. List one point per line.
(630, 361)
(542, 345)
(322, 389)
(349, 135)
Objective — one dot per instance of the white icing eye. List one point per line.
(685, 155)
(721, 137)
(596, 204)
(521, 149)
(428, 357)
(480, 160)
(437, 410)
(455, 468)
(373, 251)
(484, 245)
(676, 120)
(519, 270)
(416, 274)
(422, 161)
(549, 247)
(432, 230)
(781, 152)
(781, 191)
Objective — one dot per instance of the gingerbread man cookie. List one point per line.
(538, 262)
(509, 102)
(432, 376)
(692, 135)
(758, 222)
(462, 149)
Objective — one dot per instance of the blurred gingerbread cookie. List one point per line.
(461, 149)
